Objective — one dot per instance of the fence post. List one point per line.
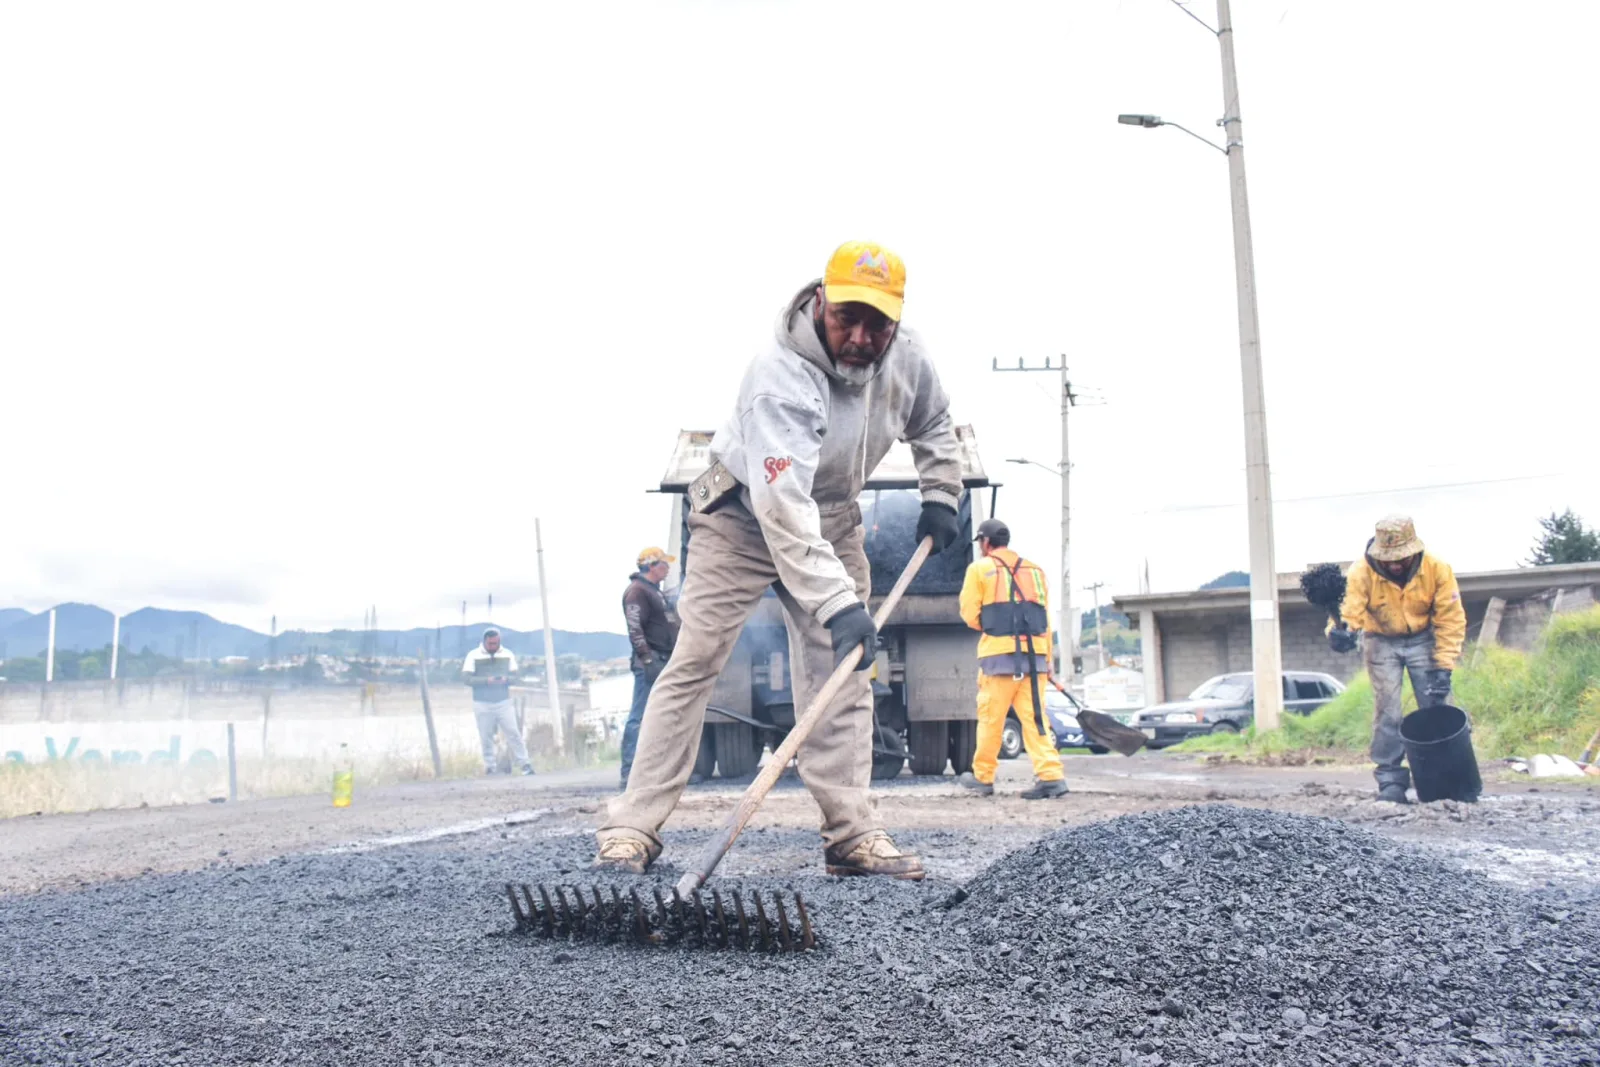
(233, 768)
(427, 714)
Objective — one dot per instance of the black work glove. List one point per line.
(853, 628)
(1342, 640)
(1436, 690)
(939, 522)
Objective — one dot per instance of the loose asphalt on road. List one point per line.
(1212, 935)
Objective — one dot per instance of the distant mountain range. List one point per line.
(196, 635)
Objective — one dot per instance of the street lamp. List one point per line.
(1266, 652)
(1150, 122)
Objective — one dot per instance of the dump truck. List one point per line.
(924, 675)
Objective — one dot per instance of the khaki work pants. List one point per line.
(999, 694)
(729, 570)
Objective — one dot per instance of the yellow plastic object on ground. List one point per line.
(344, 779)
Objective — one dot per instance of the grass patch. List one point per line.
(1521, 703)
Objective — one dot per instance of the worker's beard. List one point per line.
(854, 373)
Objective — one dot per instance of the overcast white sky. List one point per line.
(311, 306)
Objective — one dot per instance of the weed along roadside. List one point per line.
(1520, 703)
(75, 766)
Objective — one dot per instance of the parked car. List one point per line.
(1063, 711)
(1226, 704)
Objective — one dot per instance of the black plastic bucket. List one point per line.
(1438, 744)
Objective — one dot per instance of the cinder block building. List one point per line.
(1189, 637)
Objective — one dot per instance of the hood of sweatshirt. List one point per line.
(797, 331)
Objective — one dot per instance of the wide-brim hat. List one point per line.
(1395, 539)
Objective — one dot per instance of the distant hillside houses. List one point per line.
(194, 635)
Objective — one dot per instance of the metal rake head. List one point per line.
(566, 912)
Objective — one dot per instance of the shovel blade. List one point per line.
(1107, 732)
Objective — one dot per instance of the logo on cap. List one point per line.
(873, 265)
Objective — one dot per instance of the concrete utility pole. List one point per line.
(1266, 652)
(550, 679)
(50, 650)
(1099, 625)
(1265, 648)
(116, 635)
(1068, 398)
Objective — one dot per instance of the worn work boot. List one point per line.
(875, 854)
(970, 781)
(623, 854)
(1393, 793)
(1042, 789)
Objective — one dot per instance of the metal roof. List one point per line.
(1518, 581)
(897, 471)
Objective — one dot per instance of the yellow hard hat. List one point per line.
(655, 555)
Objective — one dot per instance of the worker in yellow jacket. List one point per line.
(1005, 597)
(1406, 602)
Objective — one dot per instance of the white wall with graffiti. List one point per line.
(171, 721)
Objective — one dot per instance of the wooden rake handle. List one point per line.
(718, 846)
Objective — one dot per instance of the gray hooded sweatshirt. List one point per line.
(806, 434)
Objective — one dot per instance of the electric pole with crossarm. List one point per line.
(1068, 398)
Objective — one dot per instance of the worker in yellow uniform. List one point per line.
(1405, 600)
(1004, 596)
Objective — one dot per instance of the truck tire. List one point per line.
(1011, 738)
(738, 749)
(887, 766)
(705, 760)
(963, 744)
(930, 747)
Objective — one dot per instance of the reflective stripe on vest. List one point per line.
(1017, 615)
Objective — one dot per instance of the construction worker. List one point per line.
(1407, 604)
(817, 411)
(488, 670)
(1006, 599)
(652, 630)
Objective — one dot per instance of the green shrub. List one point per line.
(1521, 703)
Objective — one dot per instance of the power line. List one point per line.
(1363, 493)
(1185, 9)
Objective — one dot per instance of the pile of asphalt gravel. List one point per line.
(1221, 934)
(1193, 936)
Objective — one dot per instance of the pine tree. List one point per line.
(1565, 540)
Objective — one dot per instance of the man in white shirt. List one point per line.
(488, 670)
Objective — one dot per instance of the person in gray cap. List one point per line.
(488, 670)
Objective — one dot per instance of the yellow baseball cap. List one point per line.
(864, 273)
(655, 555)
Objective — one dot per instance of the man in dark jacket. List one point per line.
(653, 632)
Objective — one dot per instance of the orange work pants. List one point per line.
(998, 695)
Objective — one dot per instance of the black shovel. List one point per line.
(1105, 731)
